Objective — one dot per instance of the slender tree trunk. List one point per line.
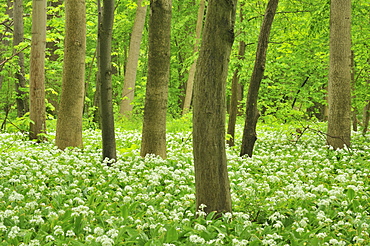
(235, 92)
(339, 89)
(37, 71)
(210, 165)
(20, 85)
(190, 81)
(69, 123)
(105, 68)
(97, 94)
(366, 118)
(4, 38)
(252, 114)
(366, 110)
(353, 87)
(132, 60)
(155, 108)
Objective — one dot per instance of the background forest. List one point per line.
(294, 84)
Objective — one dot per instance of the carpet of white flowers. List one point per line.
(290, 193)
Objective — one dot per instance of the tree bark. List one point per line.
(339, 88)
(235, 92)
(210, 164)
(37, 71)
(105, 70)
(69, 122)
(366, 118)
(20, 85)
(97, 95)
(190, 81)
(252, 114)
(132, 60)
(353, 87)
(155, 108)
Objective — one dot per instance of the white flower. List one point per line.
(113, 233)
(89, 238)
(299, 230)
(200, 227)
(70, 233)
(15, 197)
(98, 231)
(196, 239)
(58, 230)
(321, 235)
(14, 231)
(49, 238)
(104, 240)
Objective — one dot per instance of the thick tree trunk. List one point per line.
(20, 85)
(105, 70)
(155, 108)
(37, 71)
(69, 123)
(210, 165)
(132, 60)
(190, 81)
(252, 114)
(339, 89)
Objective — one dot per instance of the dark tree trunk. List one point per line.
(105, 71)
(252, 114)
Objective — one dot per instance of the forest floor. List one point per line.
(293, 191)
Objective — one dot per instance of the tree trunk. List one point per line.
(37, 71)
(252, 114)
(366, 118)
(353, 87)
(235, 92)
(210, 165)
(105, 70)
(339, 89)
(97, 95)
(155, 108)
(20, 85)
(132, 60)
(190, 81)
(69, 123)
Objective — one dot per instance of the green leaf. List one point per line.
(172, 234)
(351, 194)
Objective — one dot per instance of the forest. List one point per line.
(195, 122)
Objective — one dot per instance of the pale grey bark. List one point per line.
(339, 88)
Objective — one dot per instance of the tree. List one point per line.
(37, 71)
(155, 108)
(105, 71)
(252, 114)
(69, 122)
(20, 85)
(132, 60)
(209, 108)
(190, 81)
(236, 91)
(339, 87)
